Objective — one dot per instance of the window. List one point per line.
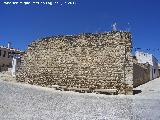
(10, 65)
(4, 54)
(9, 54)
(154, 71)
(13, 53)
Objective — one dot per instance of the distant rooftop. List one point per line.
(1, 46)
(147, 54)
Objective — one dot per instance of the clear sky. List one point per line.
(21, 24)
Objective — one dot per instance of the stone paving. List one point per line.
(26, 102)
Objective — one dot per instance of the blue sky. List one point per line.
(21, 24)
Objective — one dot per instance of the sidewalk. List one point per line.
(151, 88)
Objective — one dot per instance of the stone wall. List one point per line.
(92, 61)
(141, 74)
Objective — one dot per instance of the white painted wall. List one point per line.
(155, 67)
(15, 63)
(146, 57)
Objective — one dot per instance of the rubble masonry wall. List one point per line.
(141, 74)
(93, 61)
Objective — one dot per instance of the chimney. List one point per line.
(9, 45)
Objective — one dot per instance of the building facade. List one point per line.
(6, 57)
(148, 58)
(159, 68)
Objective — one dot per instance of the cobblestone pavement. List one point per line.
(26, 102)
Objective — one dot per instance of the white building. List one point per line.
(9, 58)
(159, 68)
(146, 57)
(6, 56)
(15, 61)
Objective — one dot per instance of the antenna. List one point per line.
(129, 27)
(114, 28)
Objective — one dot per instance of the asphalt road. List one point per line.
(26, 102)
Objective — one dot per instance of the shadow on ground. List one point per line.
(136, 92)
